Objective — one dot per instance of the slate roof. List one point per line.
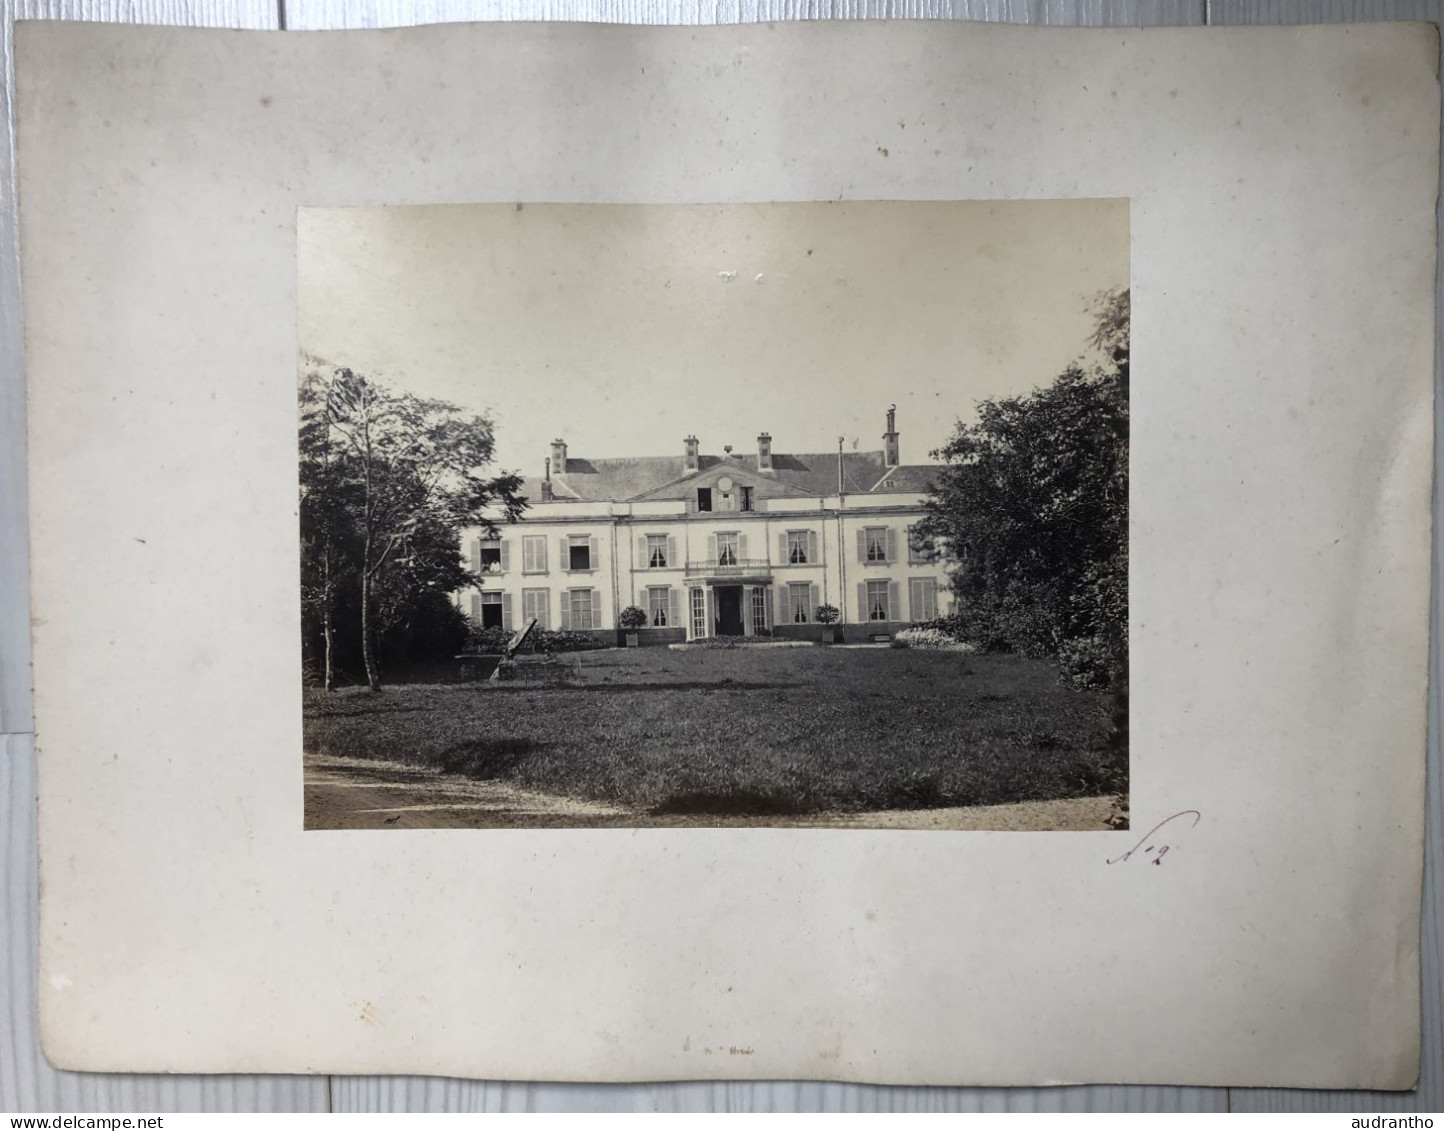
(596, 480)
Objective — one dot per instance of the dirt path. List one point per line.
(350, 793)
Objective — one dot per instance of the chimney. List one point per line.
(889, 439)
(764, 452)
(689, 455)
(547, 483)
(559, 458)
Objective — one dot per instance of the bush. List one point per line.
(826, 614)
(633, 617)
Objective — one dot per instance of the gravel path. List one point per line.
(351, 793)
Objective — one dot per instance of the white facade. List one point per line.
(731, 547)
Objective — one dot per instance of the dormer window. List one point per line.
(704, 498)
(744, 498)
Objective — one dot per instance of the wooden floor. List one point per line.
(27, 1083)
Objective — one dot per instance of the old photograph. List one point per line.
(777, 515)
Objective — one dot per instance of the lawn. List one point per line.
(747, 731)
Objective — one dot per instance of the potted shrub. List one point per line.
(632, 618)
(827, 616)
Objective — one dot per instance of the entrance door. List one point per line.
(729, 610)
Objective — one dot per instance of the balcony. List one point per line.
(733, 570)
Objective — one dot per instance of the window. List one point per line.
(491, 610)
(657, 551)
(579, 552)
(704, 498)
(877, 601)
(797, 547)
(759, 610)
(744, 495)
(875, 542)
(727, 549)
(920, 549)
(799, 596)
(923, 598)
(658, 601)
(699, 613)
(534, 603)
(583, 608)
(490, 555)
(534, 554)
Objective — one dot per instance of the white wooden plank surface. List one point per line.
(27, 1083)
(1430, 1095)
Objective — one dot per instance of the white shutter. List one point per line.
(644, 559)
(814, 600)
(506, 612)
(565, 562)
(782, 548)
(476, 607)
(812, 554)
(672, 560)
(711, 549)
(594, 545)
(891, 545)
(862, 545)
(768, 609)
(674, 608)
(865, 612)
(566, 618)
(476, 555)
(781, 607)
(505, 554)
(741, 547)
(894, 610)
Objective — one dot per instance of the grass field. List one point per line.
(750, 731)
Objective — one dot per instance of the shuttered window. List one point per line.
(491, 610)
(581, 552)
(659, 607)
(799, 600)
(704, 498)
(583, 608)
(727, 548)
(798, 547)
(875, 548)
(534, 554)
(877, 602)
(922, 598)
(534, 603)
(656, 551)
(490, 555)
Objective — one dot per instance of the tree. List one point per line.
(388, 482)
(1032, 504)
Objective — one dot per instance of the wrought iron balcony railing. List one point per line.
(739, 567)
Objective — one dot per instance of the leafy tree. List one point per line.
(388, 482)
(1032, 503)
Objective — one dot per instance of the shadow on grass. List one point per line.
(486, 758)
(732, 802)
(622, 686)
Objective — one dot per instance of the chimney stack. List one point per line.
(689, 454)
(559, 458)
(764, 452)
(547, 483)
(889, 439)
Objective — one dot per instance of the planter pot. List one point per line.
(829, 635)
(632, 640)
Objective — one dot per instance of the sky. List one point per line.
(624, 328)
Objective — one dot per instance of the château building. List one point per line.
(716, 545)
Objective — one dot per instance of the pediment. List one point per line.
(764, 486)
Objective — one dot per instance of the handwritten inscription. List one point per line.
(1156, 847)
